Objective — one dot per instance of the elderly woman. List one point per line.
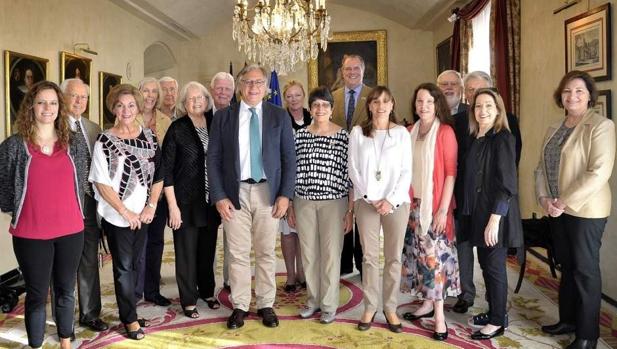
(47, 220)
(322, 209)
(149, 264)
(191, 216)
(127, 186)
(380, 169)
(572, 187)
(293, 93)
(490, 204)
(429, 258)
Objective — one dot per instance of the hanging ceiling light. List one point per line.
(282, 34)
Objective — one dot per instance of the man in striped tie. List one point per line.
(251, 171)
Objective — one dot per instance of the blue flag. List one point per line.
(234, 100)
(275, 91)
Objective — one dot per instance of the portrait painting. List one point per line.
(75, 66)
(604, 104)
(588, 43)
(370, 45)
(444, 55)
(106, 82)
(21, 71)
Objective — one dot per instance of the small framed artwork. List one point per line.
(75, 66)
(21, 71)
(106, 82)
(604, 104)
(588, 42)
(444, 55)
(370, 45)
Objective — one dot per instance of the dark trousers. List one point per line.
(493, 263)
(352, 251)
(577, 244)
(206, 245)
(125, 246)
(149, 262)
(185, 246)
(88, 282)
(40, 262)
(466, 266)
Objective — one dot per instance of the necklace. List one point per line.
(378, 171)
(46, 145)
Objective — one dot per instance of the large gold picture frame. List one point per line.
(106, 82)
(20, 72)
(371, 45)
(75, 66)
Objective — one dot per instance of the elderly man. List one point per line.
(450, 83)
(88, 284)
(252, 172)
(222, 90)
(349, 111)
(169, 92)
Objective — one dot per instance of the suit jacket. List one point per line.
(586, 164)
(92, 130)
(359, 114)
(278, 153)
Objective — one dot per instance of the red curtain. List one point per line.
(506, 52)
(466, 13)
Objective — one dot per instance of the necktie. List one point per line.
(256, 161)
(81, 142)
(351, 107)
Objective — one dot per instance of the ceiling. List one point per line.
(188, 19)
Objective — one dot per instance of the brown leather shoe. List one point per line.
(236, 319)
(268, 317)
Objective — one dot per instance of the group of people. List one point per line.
(341, 170)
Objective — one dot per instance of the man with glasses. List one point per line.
(252, 172)
(349, 111)
(169, 94)
(88, 282)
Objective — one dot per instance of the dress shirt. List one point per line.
(454, 110)
(356, 96)
(244, 138)
(83, 130)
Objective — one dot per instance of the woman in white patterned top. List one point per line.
(127, 187)
(322, 207)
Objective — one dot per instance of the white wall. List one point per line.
(44, 28)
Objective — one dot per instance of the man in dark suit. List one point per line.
(349, 111)
(88, 282)
(252, 172)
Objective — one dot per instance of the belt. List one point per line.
(252, 181)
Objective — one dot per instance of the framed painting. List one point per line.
(604, 104)
(370, 45)
(74, 66)
(21, 71)
(106, 82)
(588, 42)
(444, 55)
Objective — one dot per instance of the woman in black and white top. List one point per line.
(124, 167)
(193, 220)
(380, 169)
(322, 207)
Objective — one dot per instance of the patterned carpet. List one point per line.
(533, 306)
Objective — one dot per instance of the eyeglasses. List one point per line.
(448, 83)
(251, 83)
(78, 97)
(196, 99)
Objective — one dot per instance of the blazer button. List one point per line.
(365, 196)
(478, 189)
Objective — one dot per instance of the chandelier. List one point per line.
(281, 32)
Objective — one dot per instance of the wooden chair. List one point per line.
(537, 233)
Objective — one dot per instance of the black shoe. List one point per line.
(268, 317)
(583, 344)
(227, 287)
(73, 336)
(441, 336)
(363, 326)
(409, 316)
(396, 328)
(236, 319)
(461, 306)
(290, 288)
(478, 335)
(482, 320)
(559, 328)
(159, 300)
(96, 325)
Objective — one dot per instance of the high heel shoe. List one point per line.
(409, 316)
(363, 326)
(134, 335)
(478, 335)
(441, 336)
(396, 328)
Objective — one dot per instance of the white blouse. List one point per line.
(380, 166)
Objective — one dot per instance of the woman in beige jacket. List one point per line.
(572, 186)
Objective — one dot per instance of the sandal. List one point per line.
(135, 335)
(213, 303)
(144, 323)
(192, 313)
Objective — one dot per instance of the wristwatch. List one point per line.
(151, 205)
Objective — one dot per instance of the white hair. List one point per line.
(446, 72)
(168, 79)
(478, 74)
(185, 89)
(65, 84)
(223, 76)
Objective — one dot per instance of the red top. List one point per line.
(50, 209)
(446, 150)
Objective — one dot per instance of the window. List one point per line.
(480, 50)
